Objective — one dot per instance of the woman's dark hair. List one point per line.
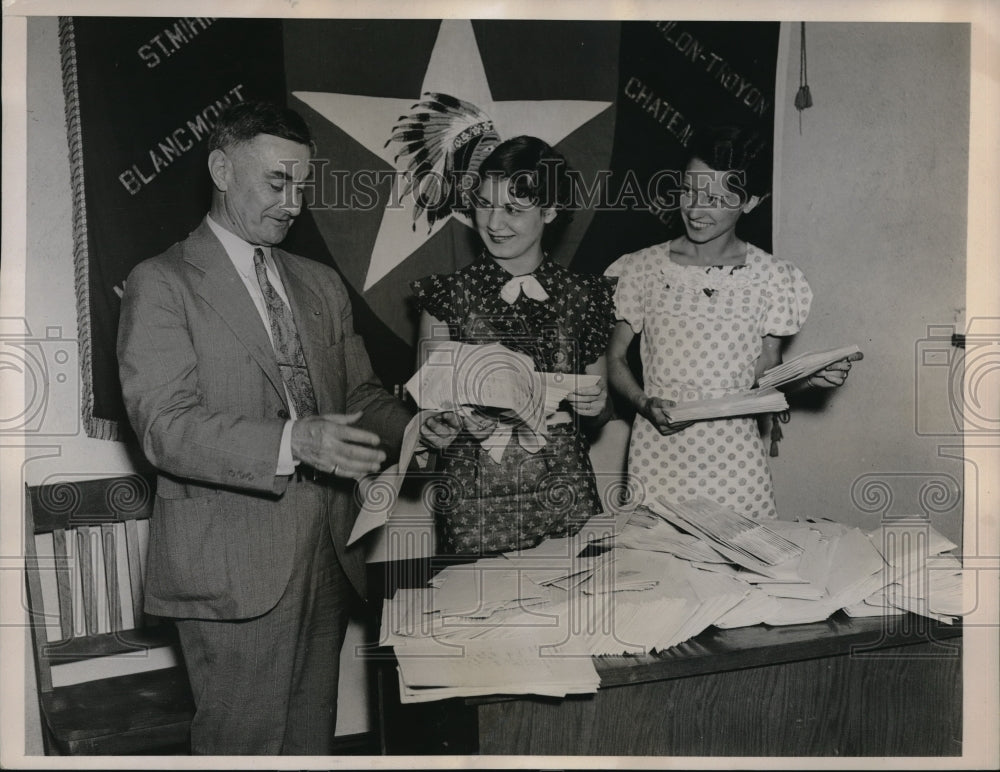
(243, 121)
(537, 173)
(735, 148)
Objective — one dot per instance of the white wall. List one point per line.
(871, 203)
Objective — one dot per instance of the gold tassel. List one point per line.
(803, 97)
(777, 419)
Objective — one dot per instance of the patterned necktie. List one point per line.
(287, 346)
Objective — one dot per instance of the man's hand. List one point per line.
(653, 409)
(834, 375)
(330, 444)
(588, 400)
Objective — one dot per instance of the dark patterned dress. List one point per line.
(482, 506)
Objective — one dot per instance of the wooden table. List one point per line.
(876, 686)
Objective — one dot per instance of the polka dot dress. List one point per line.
(702, 331)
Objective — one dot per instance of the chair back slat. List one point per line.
(109, 542)
(88, 579)
(64, 588)
(35, 616)
(91, 502)
(135, 571)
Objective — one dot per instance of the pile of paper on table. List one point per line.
(530, 621)
(802, 572)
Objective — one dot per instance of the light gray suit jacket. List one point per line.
(206, 400)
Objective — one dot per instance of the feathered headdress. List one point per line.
(443, 139)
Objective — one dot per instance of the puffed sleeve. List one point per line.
(630, 290)
(789, 299)
(600, 317)
(434, 294)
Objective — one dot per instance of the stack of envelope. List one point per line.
(743, 403)
(803, 366)
(429, 672)
(765, 398)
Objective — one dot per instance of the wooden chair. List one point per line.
(85, 547)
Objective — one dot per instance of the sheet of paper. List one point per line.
(852, 562)
(742, 540)
(486, 376)
(753, 609)
(381, 493)
(558, 385)
(476, 590)
(646, 531)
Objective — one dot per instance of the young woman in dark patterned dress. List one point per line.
(559, 318)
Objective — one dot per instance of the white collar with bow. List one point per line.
(527, 284)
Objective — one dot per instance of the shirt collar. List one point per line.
(239, 251)
(544, 272)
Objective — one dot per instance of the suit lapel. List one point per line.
(223, 289)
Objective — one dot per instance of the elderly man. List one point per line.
(254, 398)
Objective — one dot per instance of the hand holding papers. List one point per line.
(803, 366)
(462, 377)
(746, 403)
(460, 374)
(765, 398)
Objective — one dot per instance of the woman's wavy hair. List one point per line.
(537, 173)
(741, 149)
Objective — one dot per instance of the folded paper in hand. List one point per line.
(746, 403)
(803, 366)
(765, 398)
(462, 376)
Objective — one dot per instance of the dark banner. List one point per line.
(616, 99)
(672, 77)
(141, 97)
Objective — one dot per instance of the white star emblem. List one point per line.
(455, 68)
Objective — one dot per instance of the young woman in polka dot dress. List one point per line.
(712, 311)
(514, 296)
